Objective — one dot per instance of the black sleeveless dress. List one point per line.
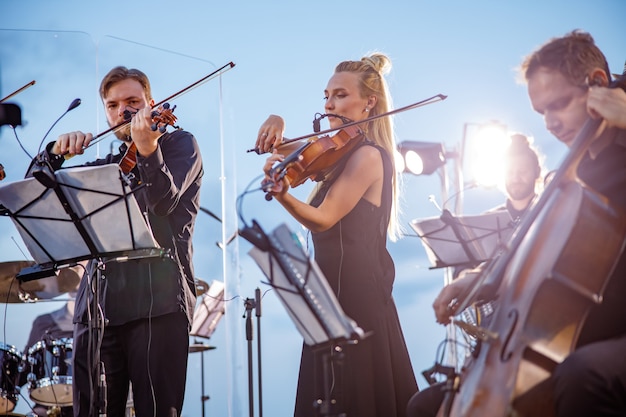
(375, 376)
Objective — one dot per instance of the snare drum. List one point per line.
(50, 377)
(10, 361)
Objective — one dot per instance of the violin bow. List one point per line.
(429, 100)
(19, 90)
(214, 74)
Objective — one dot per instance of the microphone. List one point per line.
(10, 114)
(75, 103)
(42, 171)
(319, 117)
(316, 122)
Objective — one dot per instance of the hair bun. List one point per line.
(380, 62)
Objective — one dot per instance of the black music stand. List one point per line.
(205, 319)
(76, 214)
(309, 300)
(464, 241)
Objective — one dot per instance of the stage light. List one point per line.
(484, 153)
(420, 158)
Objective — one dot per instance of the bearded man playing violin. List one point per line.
(349, 214)
(568, 84)
(148, 306)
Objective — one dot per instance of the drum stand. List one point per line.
(199, 346)
(205, 319)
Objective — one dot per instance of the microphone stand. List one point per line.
(257, 296)
(253, 304)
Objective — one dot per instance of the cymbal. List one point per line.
(14, 291)
(199, 347)
(201, 286)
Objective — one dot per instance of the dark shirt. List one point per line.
(170, 197)
(606, 175)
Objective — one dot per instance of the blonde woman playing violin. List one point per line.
(349, 215)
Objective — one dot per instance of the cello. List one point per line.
(546, 287)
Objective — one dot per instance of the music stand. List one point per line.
(308, 298)
(205, 319)
(463, 240)
(66, 216)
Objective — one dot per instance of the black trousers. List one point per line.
(591, 381)
(150, 353)
(426, 403)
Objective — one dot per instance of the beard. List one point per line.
(519, 191)
(123, 133)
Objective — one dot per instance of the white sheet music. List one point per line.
(47, 228)
(209, 311)
(303, 290)
(476, 238)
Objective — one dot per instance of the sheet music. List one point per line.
(97, 195)
(303, 289)
(463, 240)
(209, 311)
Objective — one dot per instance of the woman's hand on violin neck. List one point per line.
(145, 139)
(270, 134)
(272, 184)
(73, 143)
(271, 160)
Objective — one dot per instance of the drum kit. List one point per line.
(45, 368)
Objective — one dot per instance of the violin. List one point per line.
(162, 117)
(311, 159)
(311, 156)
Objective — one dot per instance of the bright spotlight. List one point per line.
(484, 154)
(399, 161)
(421, 158)
(414, 162)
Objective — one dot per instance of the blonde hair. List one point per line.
(371, 70)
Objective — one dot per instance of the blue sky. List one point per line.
(284, 53)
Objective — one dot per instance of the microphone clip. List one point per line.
(256, 236)
(43, 172)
